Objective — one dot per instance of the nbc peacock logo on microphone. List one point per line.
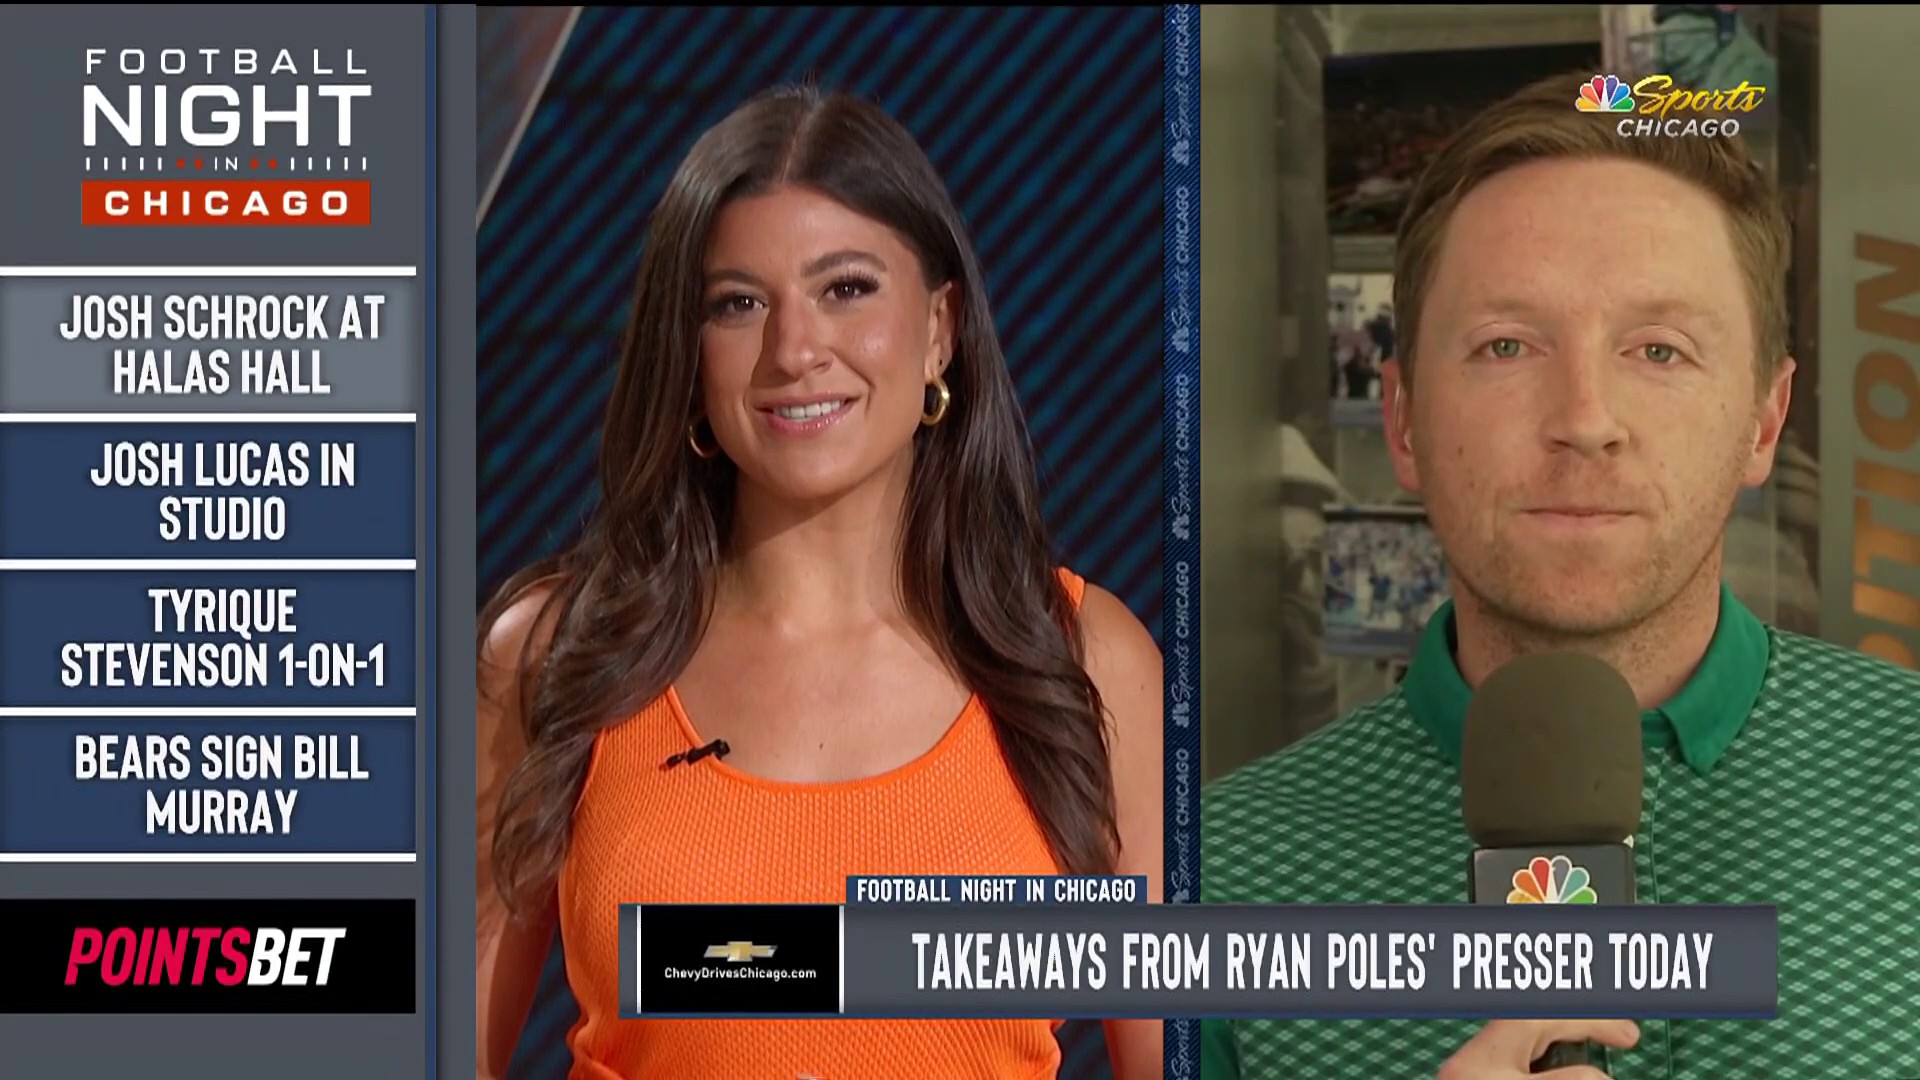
(1551, 881)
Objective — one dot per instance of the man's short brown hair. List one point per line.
(1540, 123)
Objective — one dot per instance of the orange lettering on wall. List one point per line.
(1894, 431)
(1873, 299)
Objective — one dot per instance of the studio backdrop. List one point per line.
(1045, 126)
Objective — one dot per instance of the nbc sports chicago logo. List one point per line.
(1655, 108)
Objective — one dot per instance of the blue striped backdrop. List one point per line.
(1046, 126)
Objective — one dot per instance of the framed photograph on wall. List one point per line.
(1385, 577)
(1388, 114)
(1360, 340)
(1704, 46)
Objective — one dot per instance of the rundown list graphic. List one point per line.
(215, 429)
(210, 424)
(903, 952)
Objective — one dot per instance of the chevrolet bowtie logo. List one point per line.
(739, 952)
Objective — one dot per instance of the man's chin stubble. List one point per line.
(1547, 614)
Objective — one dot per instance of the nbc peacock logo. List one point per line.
(1607, 94)
(1551, 881)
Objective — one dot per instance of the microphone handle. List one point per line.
(1562, 1055)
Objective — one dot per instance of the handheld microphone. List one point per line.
(717, 747)
(1550, 787)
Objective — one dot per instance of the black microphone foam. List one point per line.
(1551, 754)
(1550, 787)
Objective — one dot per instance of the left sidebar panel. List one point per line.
(214, 351)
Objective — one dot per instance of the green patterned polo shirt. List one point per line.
(1785, 772)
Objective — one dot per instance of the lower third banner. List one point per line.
(1113, 961)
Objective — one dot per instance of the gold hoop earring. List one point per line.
(693, 440)
(941, 398)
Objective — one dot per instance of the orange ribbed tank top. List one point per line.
(954, 810)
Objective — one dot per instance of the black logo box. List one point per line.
(805, 939)
(372, 968)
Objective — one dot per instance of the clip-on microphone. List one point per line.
(717, 747)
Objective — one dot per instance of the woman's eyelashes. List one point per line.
(852, 287)
(734, 306)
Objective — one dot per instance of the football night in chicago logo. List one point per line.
(229, 136)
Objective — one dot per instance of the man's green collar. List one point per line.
(1704, 717)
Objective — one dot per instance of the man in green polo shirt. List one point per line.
(1594, 364)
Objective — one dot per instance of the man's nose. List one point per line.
(1582, 411)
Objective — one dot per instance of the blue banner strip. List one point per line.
(1181, 521)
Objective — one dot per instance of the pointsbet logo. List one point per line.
(181, 955)
(1656, 107)
(1551, 881)
(203, 955)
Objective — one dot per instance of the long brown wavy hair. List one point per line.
(631, 599)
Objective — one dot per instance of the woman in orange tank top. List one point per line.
(820, 542)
